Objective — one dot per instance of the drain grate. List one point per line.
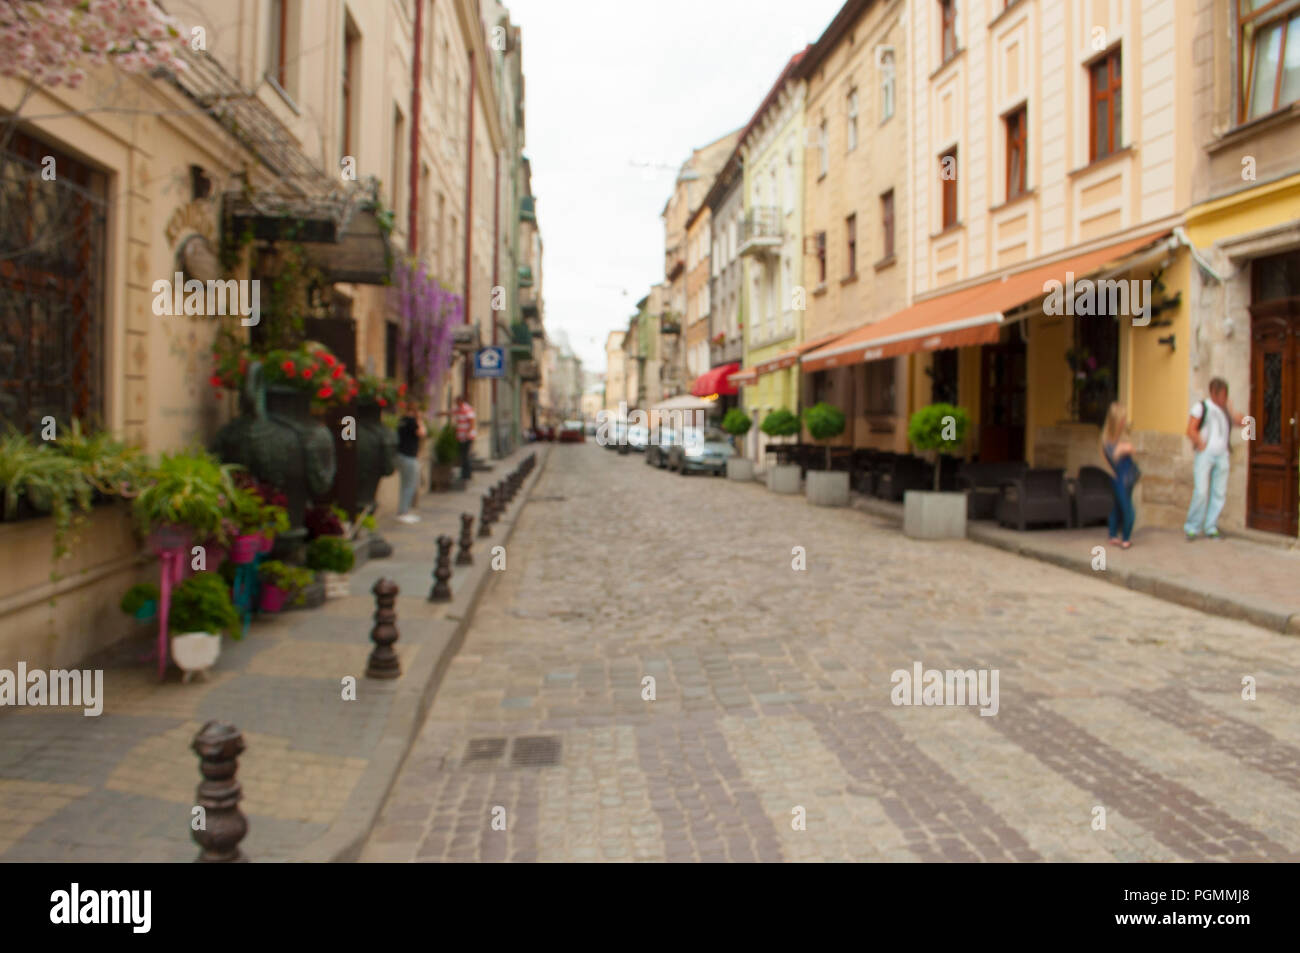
(547, 499)
(535, 751)
(484, 749)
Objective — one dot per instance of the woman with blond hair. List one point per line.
(1118, 452)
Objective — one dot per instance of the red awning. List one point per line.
(962, 318)
(715, 381)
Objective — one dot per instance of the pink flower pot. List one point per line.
(267, 543)
(245, 548)
(272, 599)
(164, 538)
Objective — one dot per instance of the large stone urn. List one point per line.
(376, 452)
(277, 440)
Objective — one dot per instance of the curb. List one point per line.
(415, 694)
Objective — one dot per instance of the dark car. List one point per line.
(571, 431)
(704, 452)
(656, 451)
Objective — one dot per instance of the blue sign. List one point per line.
(490, 362)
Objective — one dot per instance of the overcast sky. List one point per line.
(612, 87)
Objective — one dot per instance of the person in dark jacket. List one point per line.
(410, 430)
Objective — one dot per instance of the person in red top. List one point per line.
(463, 417)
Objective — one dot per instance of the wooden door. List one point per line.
(1002, 401)
(1273, 480)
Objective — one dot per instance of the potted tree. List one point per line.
(332, 557)
(200, 611)
(446, 453)
(826, 487)
(737, 423)
(282, 585)
(782, 477)
(940, 428)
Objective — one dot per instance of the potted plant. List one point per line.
(826, 487)
(446, 453)
(332, 557)
(275, 516)
(107, 464)
(35, 479)
(188, 496)
(282, 585)
(737, 423)
(940, 428)
(200, 612)
(141, 601)
(782, 477)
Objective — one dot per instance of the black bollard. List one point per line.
(383, 662)
(441, 592)
(463, 555)
(219, 746)
(484, 512)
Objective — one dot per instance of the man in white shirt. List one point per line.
(1209, 429)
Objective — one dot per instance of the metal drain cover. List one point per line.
(484, 749)
(535, 751)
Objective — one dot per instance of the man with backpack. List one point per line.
(1210, 429)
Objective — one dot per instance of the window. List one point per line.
(886, 85)
(948, 29)
(787, 294)
(887, 223)
(399, 153)
(1017, 159)
(351, 43)
(1105, 89)
(948, 187)
(879, 390)
(790, 188)
(853, 120)
(1268, 32)
(277, 56)
(823, 159)
(821, 258)
(851, 232)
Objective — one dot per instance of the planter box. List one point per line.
(740, 468)
(828, 487)
(195, 652)
(337, 584)
(930, 515)
(784, 478)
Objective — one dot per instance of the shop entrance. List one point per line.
(1273, 481)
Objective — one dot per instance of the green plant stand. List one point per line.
(246, 590)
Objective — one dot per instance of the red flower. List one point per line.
(401, 390)
(328, 358)
(382, 402)
(306, 374)
(215, 380)
(338, 372)
(325, 393)
(287, 367)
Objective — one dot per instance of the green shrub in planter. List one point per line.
(824, 422)
(938, 427)
(292, 579)
(736, 422)
(446, 449)
(330, 554)
(202, 603)
(50, 481)
(188, 489)
(138, 597)
(780, 423)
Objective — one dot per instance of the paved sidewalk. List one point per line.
(120, 787)
(1232, 577)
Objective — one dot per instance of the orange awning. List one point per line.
(791, 357)
(962, 318)
(745, 378)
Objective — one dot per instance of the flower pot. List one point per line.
(195, 652)
(828, 487)
(929, 515)
(245, 548)
(273, 598)
(440, 477)
(214, 555)
(337, 584)
(146, 612)
(169, 537)
(784, 477)
(740, 468)
(266, 543)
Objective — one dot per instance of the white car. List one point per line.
(638, 435)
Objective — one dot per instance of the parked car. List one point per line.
(545, 433)
(705, 452)
(571, 431)
(614, 435)
(656, 453)
(637, 437)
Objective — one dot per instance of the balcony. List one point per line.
(525, 276)
(726, 351)
(527, 209)
(760, 231)
(521, 341)
(528, 306)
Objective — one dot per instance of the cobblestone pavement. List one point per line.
(773, 711)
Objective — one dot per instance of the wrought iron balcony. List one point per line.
(525, 276)
(760, 231)
(527, 209)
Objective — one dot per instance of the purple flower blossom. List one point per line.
(429, 314)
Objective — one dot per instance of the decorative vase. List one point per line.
(337, 584)
(376, 455)
(195, 652)
(273, 598)
(245, 548)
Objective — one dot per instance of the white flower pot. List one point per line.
(195, 652)
(828, 487)
(928, 515)
(337, 584)
(740, 468)
(784, 477)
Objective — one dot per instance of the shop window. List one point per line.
(879, 389)
(1094, 365)
(943, 377)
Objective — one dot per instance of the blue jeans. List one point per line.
(409, 470)
(1121, 513)
(1209, 491)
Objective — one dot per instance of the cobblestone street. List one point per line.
(773, 697)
